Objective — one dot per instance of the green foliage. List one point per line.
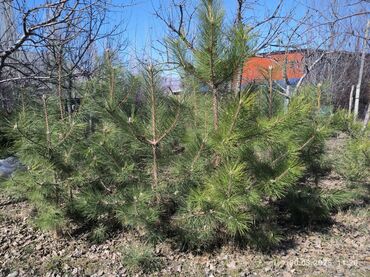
(307, 205)
(250, 161)
(47, 145)
(55, 263)
(353, 161)
(217, 52)
(50, 218)
(132, 156)
(99, 234)
(341, 121)
(262, 100)
(5, 141)
(264, 236)
(96, 165)
(139, 257)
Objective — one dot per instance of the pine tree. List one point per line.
(263, 161)
(132, 156)
(49, 148)
(216, 54)
(261, 155)
(132, 140)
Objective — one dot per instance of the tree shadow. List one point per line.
(306, 213)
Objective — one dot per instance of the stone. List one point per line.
(8, 166)
(13, 274)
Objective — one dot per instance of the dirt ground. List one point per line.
(339, 249)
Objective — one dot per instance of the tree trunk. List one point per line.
(69, 100)
(47, 128)
(237, 80)
(60, 96)
(154, 143)
(155, 167)
(215, 107)
(358, 87)
(270, 92)
(287, 99)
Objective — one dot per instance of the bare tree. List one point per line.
(328, 35)
(53, 43)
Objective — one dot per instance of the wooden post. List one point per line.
(351, 100)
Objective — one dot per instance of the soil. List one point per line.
(339, 249)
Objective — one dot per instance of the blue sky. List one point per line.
(143, 26)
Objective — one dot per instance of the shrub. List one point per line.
(308, 205)
(245, 166)
(139, 257)
(353, 162)
(101, 164)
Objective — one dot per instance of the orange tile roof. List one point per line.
(256, 68)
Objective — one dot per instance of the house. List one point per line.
(291, 63)
(337, 70)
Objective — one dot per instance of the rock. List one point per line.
(13, 274)
(8, 166)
